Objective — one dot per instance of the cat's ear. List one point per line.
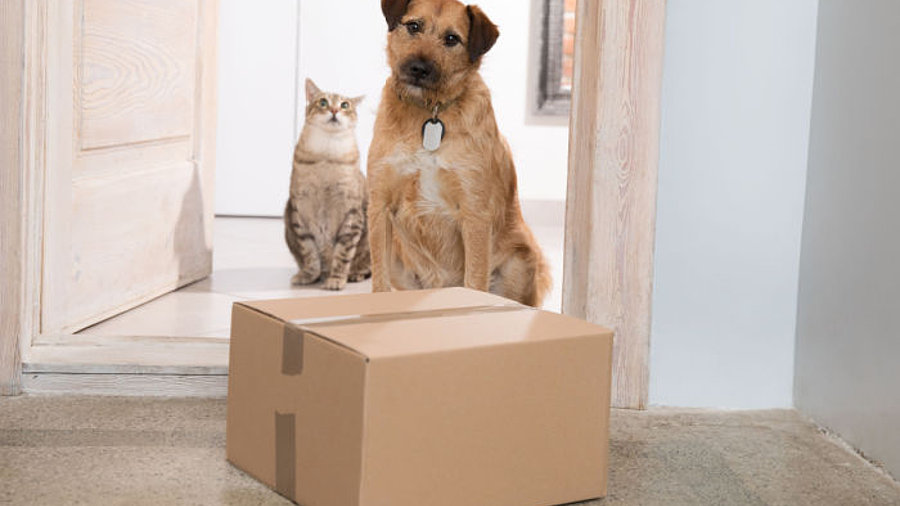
(482, 33)
(393, 12)
(312, 91)
(358, 100)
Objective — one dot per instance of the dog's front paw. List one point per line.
(334, 284)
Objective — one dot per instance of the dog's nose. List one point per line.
(420, 69)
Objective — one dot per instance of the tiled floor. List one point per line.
(250, 262)
(104, 450)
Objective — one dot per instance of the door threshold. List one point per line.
(126, 385)
(127, 365)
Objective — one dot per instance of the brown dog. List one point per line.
(443, 208)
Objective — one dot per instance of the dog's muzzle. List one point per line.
(420, 72)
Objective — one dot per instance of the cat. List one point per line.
(325, 215)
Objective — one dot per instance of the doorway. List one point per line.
(109, 359)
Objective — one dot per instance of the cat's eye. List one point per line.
(323, 103)
(345, 105)
(451, 40)
(414, 27)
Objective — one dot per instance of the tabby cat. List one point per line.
(325, 217)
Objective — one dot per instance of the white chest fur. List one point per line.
(329, 144)
(429, 167)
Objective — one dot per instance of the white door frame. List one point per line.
(610, 208)
(22, 66)
(613, 160)
(13, 215)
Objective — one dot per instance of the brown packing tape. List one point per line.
(292, 350)
(285, 458)
(330, 321)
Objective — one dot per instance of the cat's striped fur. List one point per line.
(325, 216)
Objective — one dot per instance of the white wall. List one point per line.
(848, 344)
(341, 47)
(735, 124)
(257, 74)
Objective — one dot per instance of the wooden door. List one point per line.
(130, 110)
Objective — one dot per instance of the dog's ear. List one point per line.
(482, 33)
(312, 91)
(393, 12)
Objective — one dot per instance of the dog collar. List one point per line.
(428, 105)
(433, 129)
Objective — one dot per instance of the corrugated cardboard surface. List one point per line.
(441, 397)
(513, 425)
(326, 401)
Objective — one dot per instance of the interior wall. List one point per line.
(736, 101)
(847, 339)
(341, 46)
(257, 100)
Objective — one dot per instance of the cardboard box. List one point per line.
(438, 397)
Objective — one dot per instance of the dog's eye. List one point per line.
(451, 40)
(345, 105)
(323, 103)
(414, 27)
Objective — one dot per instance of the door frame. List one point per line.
(614, 144)
(14, 218)
(613, 163)
(22, 61)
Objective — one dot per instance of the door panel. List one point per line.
(137, 69)
(128, 214)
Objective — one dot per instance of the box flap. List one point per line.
(419, 322)
(370, 304)
(456, 330)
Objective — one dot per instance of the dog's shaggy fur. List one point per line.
(449, 217)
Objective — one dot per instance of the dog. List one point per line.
(443, 202)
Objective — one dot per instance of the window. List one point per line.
(557, 62)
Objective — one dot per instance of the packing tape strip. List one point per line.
(329, 321)
(285, 457)
(292, 351)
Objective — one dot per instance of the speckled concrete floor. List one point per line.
(94, 450)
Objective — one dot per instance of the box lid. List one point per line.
(369, 304)
(404, 323)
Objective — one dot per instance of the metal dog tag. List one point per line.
(432, 134)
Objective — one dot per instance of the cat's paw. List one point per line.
(356, 277)
(304, 278)
(334, 284)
